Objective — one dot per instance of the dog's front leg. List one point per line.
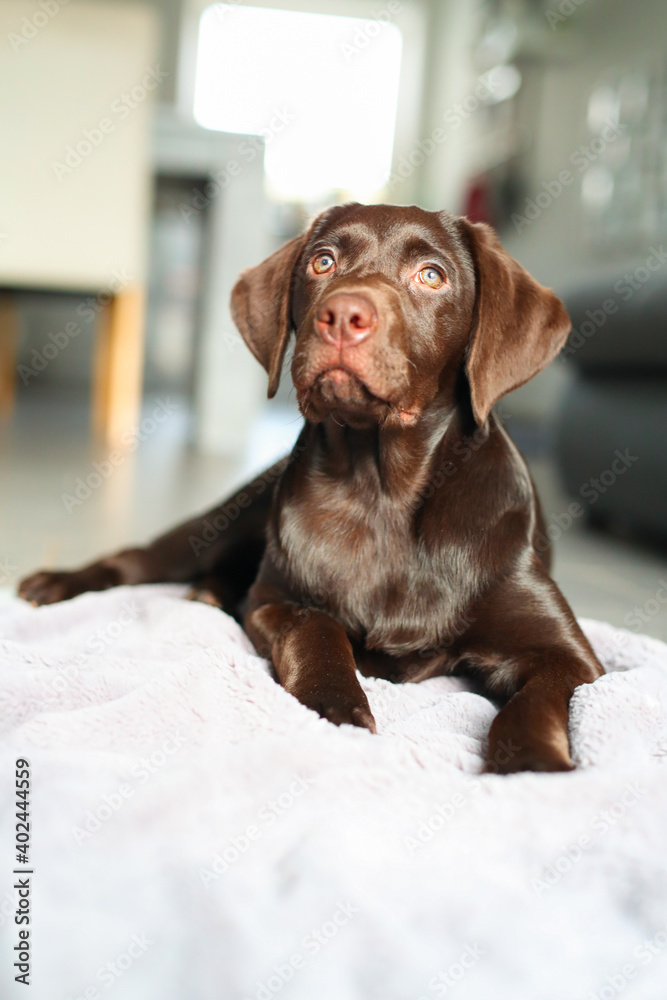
(531, 647)
(530, 732)
(189, 552)
(313, 659)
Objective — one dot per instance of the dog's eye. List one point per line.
(323, 262)
(431, 276)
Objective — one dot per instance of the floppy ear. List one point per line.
(260, 307)
(518, 327)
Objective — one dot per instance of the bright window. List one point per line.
(322, 90)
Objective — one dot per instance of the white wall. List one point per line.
(169, 14)
(449, 77)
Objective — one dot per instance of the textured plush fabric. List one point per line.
(197, 833)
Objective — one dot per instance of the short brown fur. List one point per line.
(399, 538)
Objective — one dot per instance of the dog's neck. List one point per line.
(398, 459)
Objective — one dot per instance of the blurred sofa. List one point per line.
(611, 433)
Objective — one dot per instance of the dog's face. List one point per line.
(389, 304)
(382, 304)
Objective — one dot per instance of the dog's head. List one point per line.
(389, 305)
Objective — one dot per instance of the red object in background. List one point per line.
(477, 201)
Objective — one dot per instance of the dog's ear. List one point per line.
(260, 306)
(518, 325)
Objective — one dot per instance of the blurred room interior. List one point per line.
(151, 151)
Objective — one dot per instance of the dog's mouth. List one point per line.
(342, 393)
(341, 386)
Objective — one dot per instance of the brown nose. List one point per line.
(346, 319)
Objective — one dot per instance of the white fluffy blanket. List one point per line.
(197, 833)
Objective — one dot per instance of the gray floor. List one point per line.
(62, 502)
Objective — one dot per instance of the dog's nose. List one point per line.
(346, 319)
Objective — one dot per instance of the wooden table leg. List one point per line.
(118, 367)
(8, 350)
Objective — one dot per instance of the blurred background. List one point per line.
(149, 152)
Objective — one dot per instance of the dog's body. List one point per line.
(400, 536)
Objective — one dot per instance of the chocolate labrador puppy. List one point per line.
(400, 537)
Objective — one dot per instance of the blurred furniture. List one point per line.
(75, 181)
(617, 402)
(226, 187)
(624, 196)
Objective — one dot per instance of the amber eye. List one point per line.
(431, 276)
(323, 262)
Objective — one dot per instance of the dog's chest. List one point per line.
(357, 554)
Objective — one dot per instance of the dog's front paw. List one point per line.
(51, 587)
(204, 595)
(340, 706)
(509, 757)
(353, 715)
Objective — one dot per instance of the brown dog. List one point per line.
(399, 537)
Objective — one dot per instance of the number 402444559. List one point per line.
(22, 807)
